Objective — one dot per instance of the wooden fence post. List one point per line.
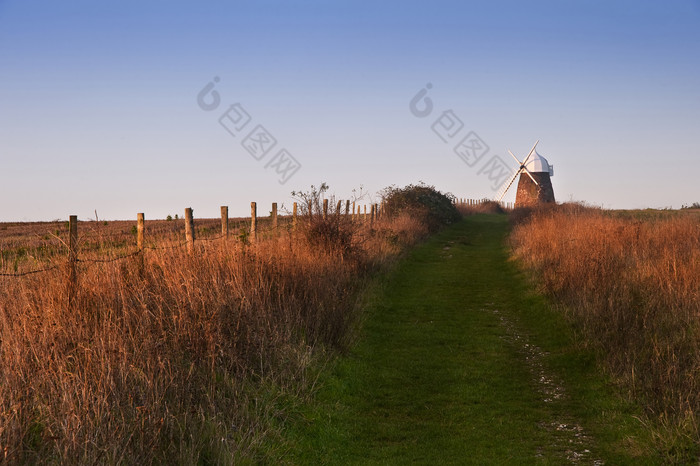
(337, 208)
(274, 217)
(325, 209)
(140, 225)
(72, 258)
(253, 220)
(353, 210)
(347, 208)
(365, 208)
(294, 216)
(189, 230)
(73, 238)
(372, 215)
(140, 228)
(224, 222)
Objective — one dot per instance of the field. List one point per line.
(208, 356)
(29, 246)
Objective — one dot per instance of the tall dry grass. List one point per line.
(632, 285)
(171, 359)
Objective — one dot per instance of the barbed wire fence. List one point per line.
(254, 231)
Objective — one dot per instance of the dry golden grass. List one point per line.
(160, 358)
(631, 282)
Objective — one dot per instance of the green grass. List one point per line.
(436, 378)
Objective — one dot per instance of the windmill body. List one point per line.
(535, 184)
(529, 193)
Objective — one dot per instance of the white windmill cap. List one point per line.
(537, 163)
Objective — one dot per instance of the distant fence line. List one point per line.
(476, 202)
(190, 235)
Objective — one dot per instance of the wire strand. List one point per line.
(30, 272)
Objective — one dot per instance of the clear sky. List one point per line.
(100, 105)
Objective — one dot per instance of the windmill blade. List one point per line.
(509, 185)
(530, 175)
(530, 153)
(516, 159)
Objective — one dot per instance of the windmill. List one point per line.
(535, 184)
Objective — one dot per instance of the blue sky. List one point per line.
(99, 109)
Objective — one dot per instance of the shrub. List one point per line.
(435, 208)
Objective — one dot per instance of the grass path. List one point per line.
(459, 363)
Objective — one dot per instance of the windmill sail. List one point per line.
(504, 189)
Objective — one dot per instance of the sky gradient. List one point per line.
(99, 100)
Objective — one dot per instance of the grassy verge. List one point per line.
(460, 363)
(630, 283)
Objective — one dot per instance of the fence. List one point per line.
(256, 229)
(254, 232)
(477, 202)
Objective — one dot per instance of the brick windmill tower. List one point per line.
(535, 184)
